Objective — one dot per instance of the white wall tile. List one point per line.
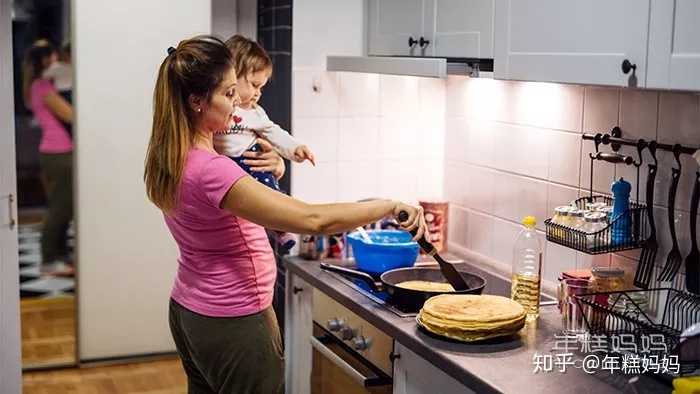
(359, 139)
(458, 226)
(557, 260)
(357, 180)
(515, 197)
(319, 134)
(520, 149)
(479, 188)
(399, 137)
(548, 105)
(601, 109)
(456, 139)
(480, 145)
(558, 195)
(315, 184)
(480, 236)
(399, 95)
(456, 96)
(685, 184)
(603, 172)
(307, 103)
(358, 94)
(564, 157)
(429, 178)
(431, 135)
(639, 113)
(584, 261)
(505, 234)
(398, 180)
(679, 117)
(433, 95)
(456, 179)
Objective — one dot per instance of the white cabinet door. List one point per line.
(571, 41)
(298, 328)
(414, 375)
(674, 45)
(459, 28)
(391, 23)
(10, 369)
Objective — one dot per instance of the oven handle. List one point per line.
(356, 375)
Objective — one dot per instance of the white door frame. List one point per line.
(10, 359)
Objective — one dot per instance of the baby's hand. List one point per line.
(302, 152)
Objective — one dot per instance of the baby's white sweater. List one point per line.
(250, 124)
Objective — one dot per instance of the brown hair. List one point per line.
(195, 68)
(33, 66)
(249, 56)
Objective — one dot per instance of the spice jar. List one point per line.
(576, 218)
(594, 223)
(607, 279)
(561, 218)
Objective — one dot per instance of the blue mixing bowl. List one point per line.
(389, 249)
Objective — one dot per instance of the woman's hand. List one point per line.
(415, 221)
(266, 160)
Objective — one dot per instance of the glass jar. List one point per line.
(576, 217)
(607, 279)
(594, 223)
(607, 210)
(561, 217)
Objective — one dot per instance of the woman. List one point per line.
(56, 155)
(220, 311)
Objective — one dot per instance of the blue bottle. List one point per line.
(622, 224)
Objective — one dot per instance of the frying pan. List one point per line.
(409, 299)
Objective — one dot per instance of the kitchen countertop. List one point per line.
(504, 366)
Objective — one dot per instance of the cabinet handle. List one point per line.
(11, 211)
(627, 66)
(394, 356)
(412, 42)
(297, 289)
(423, 42)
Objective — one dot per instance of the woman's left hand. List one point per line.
(266, 160)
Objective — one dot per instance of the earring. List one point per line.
(199, 110)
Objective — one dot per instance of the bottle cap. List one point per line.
(529, 221)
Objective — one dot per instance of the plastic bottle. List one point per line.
(527, 269)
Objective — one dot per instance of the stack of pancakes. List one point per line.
(467, 317)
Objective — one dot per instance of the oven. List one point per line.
(350, 355)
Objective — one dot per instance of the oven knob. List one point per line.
(335, 324)
(347, 333)
(361, 343)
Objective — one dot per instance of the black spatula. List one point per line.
(642, 277)
(448, 270)
(692, 262)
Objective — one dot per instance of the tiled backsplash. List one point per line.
(373, 136)
(515, 149)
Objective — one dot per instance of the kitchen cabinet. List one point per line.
(433, 28)
(415, 375)
(674, 48)
(298, 329)
(577, 42)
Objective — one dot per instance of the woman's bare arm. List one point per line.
(253, 201)
(59, 107)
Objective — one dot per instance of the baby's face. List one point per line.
(250, 87)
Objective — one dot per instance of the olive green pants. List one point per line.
(57, 170)
(229, 355)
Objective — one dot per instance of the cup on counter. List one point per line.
(572, 313)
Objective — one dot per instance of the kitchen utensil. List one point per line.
(674, 259)
(364, 234)
(448, 270)
(409, 299)
(642, 276)
(389, 249)
(692, 262)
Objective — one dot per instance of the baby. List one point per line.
(253, 68)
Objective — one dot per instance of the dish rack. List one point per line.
(602, 241)
(664, 312)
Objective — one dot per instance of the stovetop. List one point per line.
(381, 297)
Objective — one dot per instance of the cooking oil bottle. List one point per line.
(527, 269)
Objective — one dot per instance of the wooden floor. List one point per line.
(157, 377)
(48, 331)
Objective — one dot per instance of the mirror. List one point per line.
(44, 145)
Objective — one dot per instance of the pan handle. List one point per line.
(365, 277)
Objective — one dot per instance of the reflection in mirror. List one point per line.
(44, 145)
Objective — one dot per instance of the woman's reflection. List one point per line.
(47, 92)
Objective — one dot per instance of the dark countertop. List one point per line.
(504, 366)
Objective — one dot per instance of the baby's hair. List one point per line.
(249, 57)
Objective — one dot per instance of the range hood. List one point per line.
(415, 66)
